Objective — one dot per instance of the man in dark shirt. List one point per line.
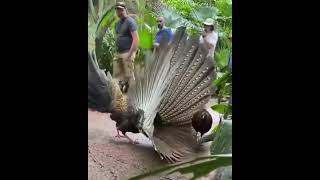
(164, 32)
(126, 47)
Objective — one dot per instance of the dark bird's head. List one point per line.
(202, 121)
(127, 121)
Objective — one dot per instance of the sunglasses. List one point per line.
(159, 21)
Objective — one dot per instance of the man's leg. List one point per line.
(117, 68)
(119, 71)
(129, 69)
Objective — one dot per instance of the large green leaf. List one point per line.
(222, 80)
(105, 22)
(221, 57)
(222, 143)
(220, 108)
(199, 167)
(224, 6)
(145, 39)
(204, 168)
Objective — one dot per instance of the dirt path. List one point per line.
(111, 158)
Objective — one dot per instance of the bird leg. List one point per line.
(118, 134)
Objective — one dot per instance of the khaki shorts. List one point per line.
(123, 69)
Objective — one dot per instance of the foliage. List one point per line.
(108, 46)
(100, 17)
(196, 11)
(199, 167)
(176, 12)
(221, 58)
(146, 23)
(224, 91)
(222, 141)
(184, 7)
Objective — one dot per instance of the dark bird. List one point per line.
(175, 84)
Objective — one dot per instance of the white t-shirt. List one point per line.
(212, 38)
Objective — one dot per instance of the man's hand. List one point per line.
(128, 58)
(156, 45)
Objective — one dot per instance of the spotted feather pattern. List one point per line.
(191, 87)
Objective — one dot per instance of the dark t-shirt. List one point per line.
(123, 28)
(166, 32)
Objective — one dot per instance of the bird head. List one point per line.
(202, 121)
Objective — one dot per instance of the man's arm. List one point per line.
(134, 35)
(134, 44)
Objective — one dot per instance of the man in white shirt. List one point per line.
(209, 36)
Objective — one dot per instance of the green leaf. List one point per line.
(222, 143)
(208, 164)
(204, 168)
(222, 80)
(220, 108)
(105, 22)
(145, 39)
(221, 57)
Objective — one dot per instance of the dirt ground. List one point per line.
(111, 158)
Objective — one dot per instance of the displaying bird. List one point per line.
(175, 84)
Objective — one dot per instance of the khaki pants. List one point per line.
(123, 69)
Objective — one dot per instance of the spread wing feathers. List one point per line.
(148, 90)
(99, 86)
(191, 87)
(174, 143)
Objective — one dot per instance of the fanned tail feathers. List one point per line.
(176, 83)
(149, 89)
(188, 92)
